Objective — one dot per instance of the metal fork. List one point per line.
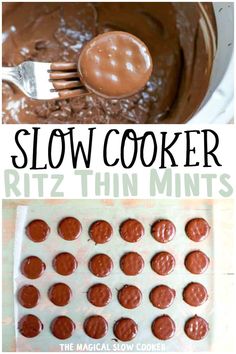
(45, 81)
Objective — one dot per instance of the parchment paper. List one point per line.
(83, 249)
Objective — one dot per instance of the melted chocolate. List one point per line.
(99, 295)
(181, 38)
(32, 267)
(69, 228)
(100, 231)
(37, 230)
(163, 231)
(195, 294)
(162, 296)
(196, 262)
(101, 265)
(196, 328)
(28, 296)
(62, 327)
(163, 263)
(60, 294)
(163, 327)
(131, 263)
(95, 327)
(130, 296)
(30, 326)
(131, 230)
(125, 329)
(65, 263)
(197, 229)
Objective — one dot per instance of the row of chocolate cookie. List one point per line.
(131, 230)
(125, 329)
(129, 296)
(101, 265)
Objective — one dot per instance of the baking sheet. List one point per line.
(83, 249)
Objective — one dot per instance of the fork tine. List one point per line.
(63, 66)
(37, 80)
(63, 84)
(63, 75)
(72, 93)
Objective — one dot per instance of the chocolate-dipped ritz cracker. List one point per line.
(62, 327)
(163, 230)
(196, 328)
(32, 267)
(37, 230)
(65, 263)
(69, 228)
(99, 295)
(132, 263)
(100, 265)
(125, 329)
(195, 294)
(60, 294)
(116, 57)
(196, 262)
(95, 326)
(28, 296)
(129, 296)
(100, 231)
(163, 263)
(163, 327)
(197, 229)
(131, 230)
(162, 296)
(30, 326)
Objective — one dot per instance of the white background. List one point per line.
(71, 185)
